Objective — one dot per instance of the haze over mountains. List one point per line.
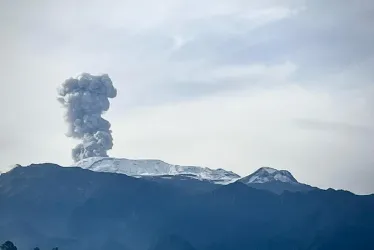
(161, 206)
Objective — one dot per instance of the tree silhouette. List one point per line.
(8, 245)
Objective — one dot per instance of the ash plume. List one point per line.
(85, 99)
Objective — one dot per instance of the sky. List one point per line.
(233, 84)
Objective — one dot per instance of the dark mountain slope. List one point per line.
(172, 242)
(46, 205)
(279, 187)
(185, 183)
(79, 204)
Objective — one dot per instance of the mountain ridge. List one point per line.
(274, 180)
(268, 174)
(78, 209)
(266, 178)
(143, 168)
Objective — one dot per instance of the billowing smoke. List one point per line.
(85, 99)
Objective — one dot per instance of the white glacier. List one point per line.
(139, 168)
(266, 174)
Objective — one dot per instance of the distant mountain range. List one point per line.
(180, 208)
(276, 181)
(146, 168)
(266, 178)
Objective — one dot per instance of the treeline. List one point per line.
(8, 245)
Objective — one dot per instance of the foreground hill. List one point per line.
(47, 205)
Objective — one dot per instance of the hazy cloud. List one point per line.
(331, 126)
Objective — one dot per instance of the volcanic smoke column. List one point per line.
(85, 99)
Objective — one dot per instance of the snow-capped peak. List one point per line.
(266, 174)
(140, 168)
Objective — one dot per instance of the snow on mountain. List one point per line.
(140, 168)
(266, 174)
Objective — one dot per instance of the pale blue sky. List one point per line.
(225, 84)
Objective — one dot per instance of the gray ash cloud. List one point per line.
(85, 98)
